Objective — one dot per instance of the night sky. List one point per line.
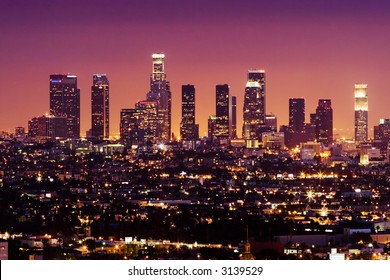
(311, 49)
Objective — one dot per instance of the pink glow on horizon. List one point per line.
(318, 56)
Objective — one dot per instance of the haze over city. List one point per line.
(308, 49)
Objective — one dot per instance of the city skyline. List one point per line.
(195, 130)
(310, 50)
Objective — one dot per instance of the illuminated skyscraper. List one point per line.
(160, 92)
(254, 105)
(129, 126)
(139, 125)
(100, 119)
(233, 117)
(33, 127)
(298, 132)
(259, 76)
(382, 131)
(296, 120)
(361, 113)
(222, 111)
(124, 124)
(310, 128)
(148, 121)
(211, 127)
(324, 122)
(65, 102)
(188, 129)
(382, 134)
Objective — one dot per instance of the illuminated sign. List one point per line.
(361, 86)
(158, 55)
(256, 71)
(253, 85)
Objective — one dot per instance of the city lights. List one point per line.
(195, 155)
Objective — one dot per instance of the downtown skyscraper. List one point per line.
(188, 129)
(100, 113)
(129, 126)
(65, 102)
(160, 92)
(297, 131)
(324, 122)
(138, 126)
(222, 111)
(233, 117)
(296, 115)
(148, 121)
(254, 105)
(211, 121)
(361, 113)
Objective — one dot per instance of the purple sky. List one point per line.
(311, 49)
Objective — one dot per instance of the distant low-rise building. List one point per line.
(273, 140)
(48, 127)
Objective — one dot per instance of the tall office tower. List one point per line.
(382, 134)
(259, 76)
(33, 127)
(100, 118)
(65, 102)
(296, 133)
(129, 126)
(324, 122)
(296, 120)
(310, 128)
(188, 129)
(222, 111)
(233, 117)
(271, 122)
(254, 105)
(361, 113)
(124, 124)
(160, 92)
(382, 130)
(148, 119)
(211, 123)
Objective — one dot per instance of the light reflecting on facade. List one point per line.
(254, 105)
(361, 113)
(160, 92)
